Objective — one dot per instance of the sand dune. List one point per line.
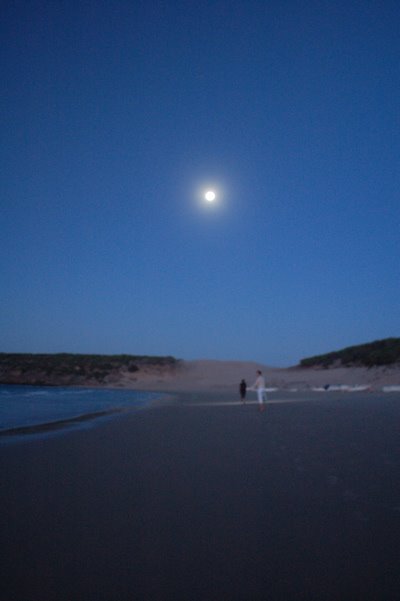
(226, 375)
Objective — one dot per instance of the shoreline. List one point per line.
(56, 425)
(32, 412)
(223, 397)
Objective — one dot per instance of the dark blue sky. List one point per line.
(117, 116)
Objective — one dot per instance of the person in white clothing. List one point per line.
(259, 386)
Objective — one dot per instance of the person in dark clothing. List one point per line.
(242, 390)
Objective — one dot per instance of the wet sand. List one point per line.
(202, 502)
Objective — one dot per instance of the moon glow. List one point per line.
(209, 195)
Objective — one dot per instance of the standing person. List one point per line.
(259, 386)
(242, 390)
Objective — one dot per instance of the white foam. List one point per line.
(341, 388)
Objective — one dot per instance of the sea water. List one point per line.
(29, 407)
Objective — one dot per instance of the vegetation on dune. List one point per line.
(72, 368)
(380, 352)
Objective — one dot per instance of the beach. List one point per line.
(201, 499)
(222, 376)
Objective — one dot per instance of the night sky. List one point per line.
(118, 116)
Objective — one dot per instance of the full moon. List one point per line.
(209, 195)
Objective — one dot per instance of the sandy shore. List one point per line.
(208, 502)
(226, 375)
